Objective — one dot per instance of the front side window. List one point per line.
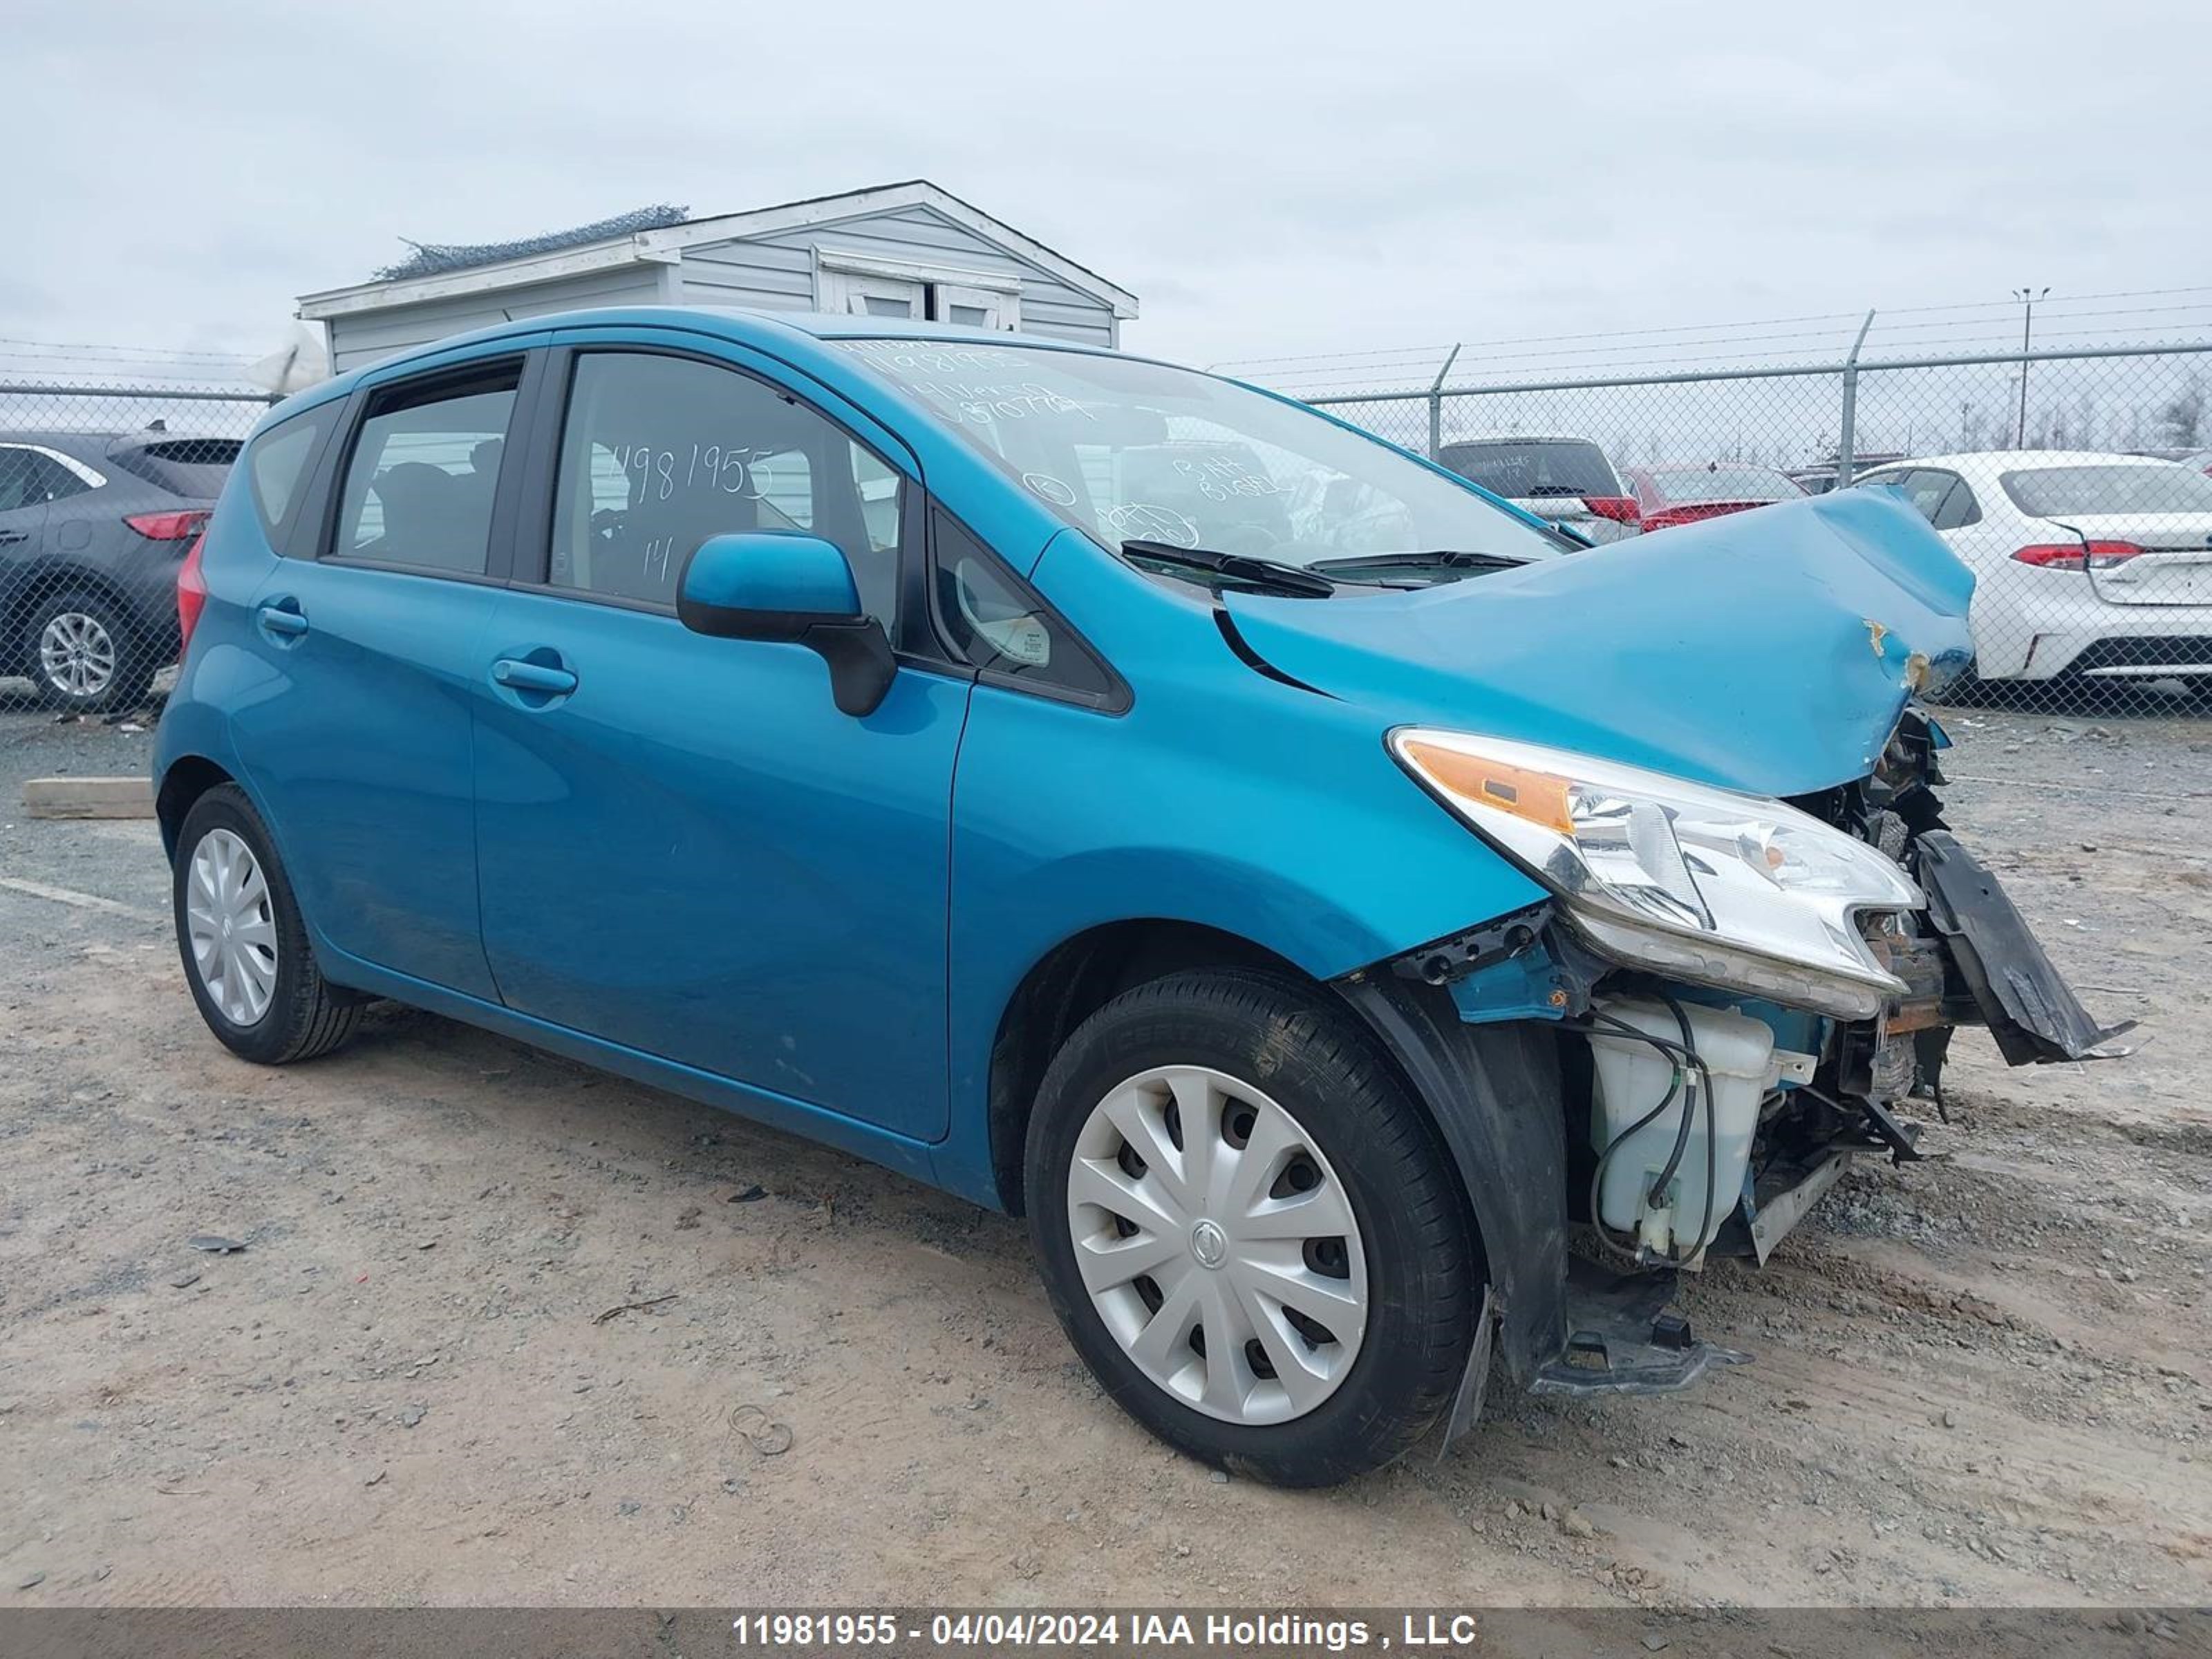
(1126, 450)
(424, 468)
(660, 453)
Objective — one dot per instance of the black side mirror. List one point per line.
(793, 589)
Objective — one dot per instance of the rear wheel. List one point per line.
(245, 947)
(85, 655)
(1248, 1229)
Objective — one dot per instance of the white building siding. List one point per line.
(887, 242)
(367, 336)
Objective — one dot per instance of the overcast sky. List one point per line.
(1274, 178)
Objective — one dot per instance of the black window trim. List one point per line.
(499, 554)
(1115, 700)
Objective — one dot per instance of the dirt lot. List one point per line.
(1985, 1380)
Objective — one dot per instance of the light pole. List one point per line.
(2028, 297)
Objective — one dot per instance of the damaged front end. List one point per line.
(1757, 935)
(1749, 994)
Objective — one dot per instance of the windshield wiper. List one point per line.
(1270, 573)
(1448, 558)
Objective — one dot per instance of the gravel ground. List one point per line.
(504, 1330)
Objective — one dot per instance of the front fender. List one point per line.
(1494, 1093)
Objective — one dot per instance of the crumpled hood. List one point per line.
(1770, 651)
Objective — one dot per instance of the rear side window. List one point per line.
(423, 469)
(29, 478)
(1535, 469)
(183, 466)
(276, 467)
(1959, 508)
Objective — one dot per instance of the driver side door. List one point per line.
(684, 849)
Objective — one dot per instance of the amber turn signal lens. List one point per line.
(1539, 797)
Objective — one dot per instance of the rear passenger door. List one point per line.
(686, 849)
(369, 640)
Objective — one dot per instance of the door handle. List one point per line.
(518, 675)
(11, 535)
(281, 618)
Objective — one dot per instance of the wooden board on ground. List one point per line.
(88, 797)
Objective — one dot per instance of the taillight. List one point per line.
(2076, 556)
(169, 526)
(1621, 509)
(192, 593)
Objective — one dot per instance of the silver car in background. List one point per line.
(1566, 480)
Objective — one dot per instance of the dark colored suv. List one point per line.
(93, 527)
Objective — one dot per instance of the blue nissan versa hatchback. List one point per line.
(1311, 889)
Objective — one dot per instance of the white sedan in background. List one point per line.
(2085, 564)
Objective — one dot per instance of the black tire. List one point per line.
(306, 1016)
(126, 683)
(1313, 1058)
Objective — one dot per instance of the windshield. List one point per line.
(2152, 486)
(1695, 484)
(1133, 451)
(1525, 469)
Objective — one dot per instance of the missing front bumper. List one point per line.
(2030, 1010)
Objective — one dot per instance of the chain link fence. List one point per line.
(103, 489)
(2074, 480)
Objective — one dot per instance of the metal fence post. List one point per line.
(1847, 441)
(1436, 403)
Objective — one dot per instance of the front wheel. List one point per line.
(245, 946)
(1248, 1230)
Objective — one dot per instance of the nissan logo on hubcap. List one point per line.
(1209, 1244)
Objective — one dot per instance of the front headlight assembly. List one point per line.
(1708, 885)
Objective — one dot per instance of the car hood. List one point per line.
(1771, 651)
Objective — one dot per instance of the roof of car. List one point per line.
(1987, 461)
(791, 333)
(1519, 438)
(89, 443)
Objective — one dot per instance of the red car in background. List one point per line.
(1684, 492)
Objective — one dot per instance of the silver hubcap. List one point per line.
(1218, 1245)
(231, 929)
(76, 655)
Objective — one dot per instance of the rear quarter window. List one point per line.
(276, 468)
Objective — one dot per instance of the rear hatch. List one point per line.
(2173, 568)
(2149, 525)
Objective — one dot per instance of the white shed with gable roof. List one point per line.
(908, 250)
